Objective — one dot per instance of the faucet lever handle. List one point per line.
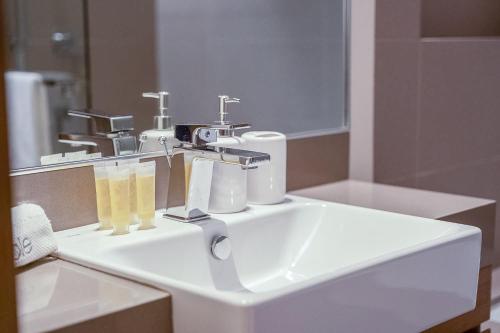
(105, 124)
(232, 100)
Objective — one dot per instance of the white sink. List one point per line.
(301, 266)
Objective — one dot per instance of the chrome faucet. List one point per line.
(110, 135)
(195, 139)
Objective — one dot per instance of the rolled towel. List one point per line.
(32, 233)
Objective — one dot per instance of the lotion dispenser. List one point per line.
(228, 193)
(162, 124)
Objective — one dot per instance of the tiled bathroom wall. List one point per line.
(459, 18)
(437, 74)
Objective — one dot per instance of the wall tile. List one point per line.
(406, 181)
(460, 18)
(397, 19)
(475, 179)
(460, 99)
(479, 179)
(396, 99)
(455, 124)
(317, 160)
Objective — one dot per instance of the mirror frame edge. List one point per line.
(8, 311)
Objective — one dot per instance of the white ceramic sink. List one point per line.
(301, 266)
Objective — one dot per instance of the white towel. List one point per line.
(32, 234)
(28, 118)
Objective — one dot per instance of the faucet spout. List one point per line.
(244, 158)
(195, 140)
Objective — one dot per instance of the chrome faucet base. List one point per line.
(110, 135)
(186, 219)
(195, 139)
(181, 214)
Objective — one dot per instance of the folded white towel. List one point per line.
(28, 110)
(32, 233)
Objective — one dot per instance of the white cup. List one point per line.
(267, 183)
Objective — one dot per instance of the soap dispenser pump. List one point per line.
(162, 124)
(228, 193)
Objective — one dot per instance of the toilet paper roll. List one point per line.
(267, 183)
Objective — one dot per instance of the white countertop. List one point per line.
(397, 199)
(53, 294)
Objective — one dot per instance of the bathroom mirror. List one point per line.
(285, 59)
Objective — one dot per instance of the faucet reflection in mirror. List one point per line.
(36, 102)
(110, 135)
(194, 139)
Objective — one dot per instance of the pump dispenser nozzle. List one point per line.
(224, 126)
(224, 100)
(162, 121)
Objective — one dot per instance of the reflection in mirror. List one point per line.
(77, 70)
(46, 76)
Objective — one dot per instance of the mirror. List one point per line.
(285, 60)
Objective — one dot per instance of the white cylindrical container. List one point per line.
(228, 193)
(267, 183)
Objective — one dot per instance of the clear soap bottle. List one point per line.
(119, 193)
(103, 200)
(132, 165)
(145, 182)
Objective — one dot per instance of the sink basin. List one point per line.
(301, 266)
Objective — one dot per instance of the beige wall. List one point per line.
(441, 18)
(437, 124)
(122, 54)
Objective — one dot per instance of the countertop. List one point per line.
(434, 205)
(396, 199)
(53, 294)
